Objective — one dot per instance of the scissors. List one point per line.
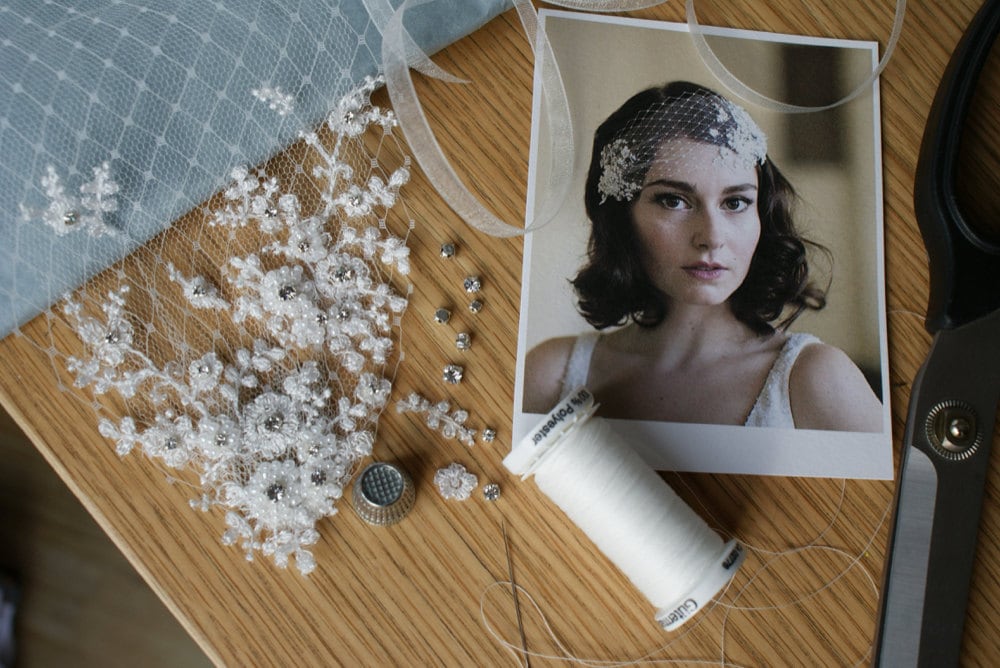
(953, 402)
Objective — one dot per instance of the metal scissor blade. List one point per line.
(906, 574)
(939, 498)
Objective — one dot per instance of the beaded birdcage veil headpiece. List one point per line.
(698, 115)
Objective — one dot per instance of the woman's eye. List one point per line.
(737, 204)
(669, 201)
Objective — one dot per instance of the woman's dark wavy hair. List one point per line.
(613, 288)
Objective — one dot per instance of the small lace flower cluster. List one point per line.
(276, 99)
(274, 427)
(618, 161)
(440, 417)
(88, 211)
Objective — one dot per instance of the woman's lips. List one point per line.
(705, 271)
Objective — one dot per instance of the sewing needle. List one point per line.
(513, 589)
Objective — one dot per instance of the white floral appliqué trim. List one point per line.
(440, 416)
(88, 211)
(275, 418)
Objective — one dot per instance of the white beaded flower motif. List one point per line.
(274, 421)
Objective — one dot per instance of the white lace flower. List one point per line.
(307, 242)
(218, 438)
(455, 482)
(305, 385)
(372, 390)
(285, 291)
(319, 444)
(395, 252)
(360, 443)
(354, 112)
(270, 424)
(341, 275)
(322, 485)
(199, 291)
(168, 439)
(124, 434)
(273, 497)
(355, 201)
(745, 141)
(204, 373)
(110, 339)
(263, 208)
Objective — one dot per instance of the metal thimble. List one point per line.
(383, 494)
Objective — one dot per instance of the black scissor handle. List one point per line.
(964, 267)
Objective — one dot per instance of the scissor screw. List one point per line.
(952, 429)
(959, 429)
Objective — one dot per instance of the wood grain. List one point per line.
(420, 593)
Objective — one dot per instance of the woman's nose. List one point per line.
(707, 233)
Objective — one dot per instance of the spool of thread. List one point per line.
(630, 513)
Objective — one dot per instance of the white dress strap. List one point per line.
(773, 407)
(578, 364)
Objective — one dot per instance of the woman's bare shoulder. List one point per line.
(544, 367)
(828, 391)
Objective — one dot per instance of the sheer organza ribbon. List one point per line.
(737, 87)
(400, 53)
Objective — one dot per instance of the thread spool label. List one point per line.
(714, 579)
(580, 400)
(576, 406)
(679, 614)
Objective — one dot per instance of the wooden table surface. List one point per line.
(422, 592)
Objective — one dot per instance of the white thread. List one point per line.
(565, 654)
(729, 606)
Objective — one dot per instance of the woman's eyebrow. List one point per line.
(683, 186)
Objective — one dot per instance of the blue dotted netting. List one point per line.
(164, 92)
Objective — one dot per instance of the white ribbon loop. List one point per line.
(428, 153)
(737, 87)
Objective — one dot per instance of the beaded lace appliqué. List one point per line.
(89, 210)
(455, 482)
(440, 416)
(274, 422)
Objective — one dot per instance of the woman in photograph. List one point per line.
(694, 272)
